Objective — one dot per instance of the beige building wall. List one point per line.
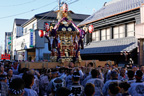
(139, 28)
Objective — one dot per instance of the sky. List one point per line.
(11, 9)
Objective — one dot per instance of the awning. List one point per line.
(111, 46)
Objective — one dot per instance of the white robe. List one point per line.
(136, 89)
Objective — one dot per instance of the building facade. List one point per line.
(32, 47)
(17, 32)
(1, 50)
(117, 32)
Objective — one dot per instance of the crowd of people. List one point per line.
(109, 80)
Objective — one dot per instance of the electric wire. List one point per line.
(18, 4)
(28, 11)
(69, 3)
(47, 14)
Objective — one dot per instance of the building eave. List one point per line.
(29, 21)
(109, 16)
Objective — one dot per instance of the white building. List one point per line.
(30, 46)
(17, 32)
(1, 50)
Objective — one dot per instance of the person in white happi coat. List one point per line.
(11, 76)
(114, 78)
(16, 87)
(97, 82)
(29, 81)
(76, 88)
(137, 88)
(131, 77)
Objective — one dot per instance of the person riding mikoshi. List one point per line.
(63, 12)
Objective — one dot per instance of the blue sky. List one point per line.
(12, 7)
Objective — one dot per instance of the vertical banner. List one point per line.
(31, 38)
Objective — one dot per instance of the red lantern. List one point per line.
(41, 33)
(47, 27)
(91, 28)
(65, 7)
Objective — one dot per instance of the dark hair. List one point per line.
(63, 91)
(9, 69)
(114, 74)
(17, 84)
(139, 73)
(89, 89)
(99, 66)
(124, 85)
(76, 76)
(3, 77)
(28, 79)
(95, 73)
(91, 64)
(114, 88)
(130, 74)
(107, 65)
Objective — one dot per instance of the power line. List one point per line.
(19, 4)
(56, 9)
(27, 11)
(47, 14)
(72, 2)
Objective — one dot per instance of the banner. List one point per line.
(5, 56)
(31, 38)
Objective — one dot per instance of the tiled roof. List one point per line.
(19, 22)
(112, 8)
(111, 46)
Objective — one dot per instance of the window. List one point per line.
(94, 36)
(108, 33)
(122, 31)
(116, 33)
(97, 35)
(130, 29)
(103, 34)
(22, 30)
(119, 31)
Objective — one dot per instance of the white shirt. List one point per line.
(29, 92)
(136, 89)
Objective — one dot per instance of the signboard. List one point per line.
(5, 56)
(31, 38)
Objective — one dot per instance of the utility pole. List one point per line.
(59, 4)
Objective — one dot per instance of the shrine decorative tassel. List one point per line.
(55, 43)
(53, 33)
(49, 45)
(82, 44)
